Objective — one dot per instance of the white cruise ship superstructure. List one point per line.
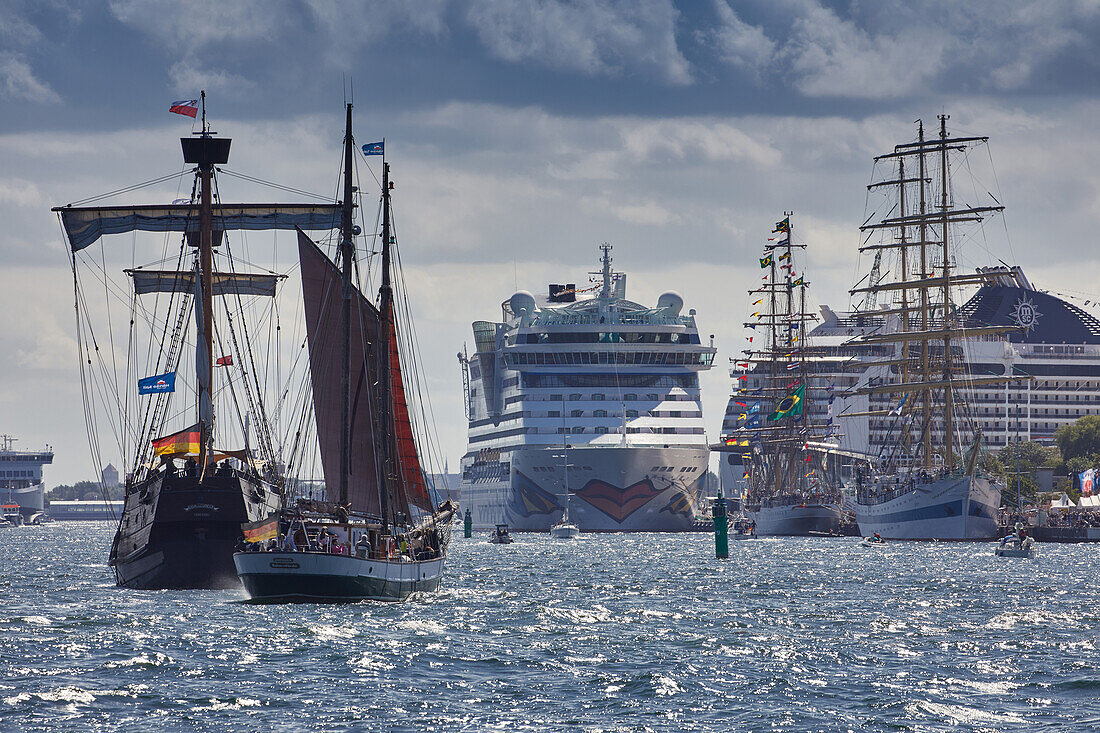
(586, 393)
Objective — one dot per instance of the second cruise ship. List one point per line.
(588, 395)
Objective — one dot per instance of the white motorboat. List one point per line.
(873, 541)
(1017, 544)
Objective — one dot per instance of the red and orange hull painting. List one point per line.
(615, 502)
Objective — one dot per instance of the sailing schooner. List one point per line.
(186, 493)
(783, 434)
(928, 482)
(379, 534)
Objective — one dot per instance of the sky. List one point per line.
(522, 134)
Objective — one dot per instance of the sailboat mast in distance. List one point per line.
(927, 482)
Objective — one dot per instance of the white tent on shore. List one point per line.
(1062, 502)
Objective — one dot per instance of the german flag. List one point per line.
(262, 531)
(185, 441)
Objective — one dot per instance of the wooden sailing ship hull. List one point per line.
(798, 520)
(318, 577)
(951, 508)
(178, 531)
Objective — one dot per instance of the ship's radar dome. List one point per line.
(672, 301)
(522, 304)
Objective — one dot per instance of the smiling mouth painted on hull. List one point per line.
(615, 502)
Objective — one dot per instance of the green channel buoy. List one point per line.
(721, 529)
(468, 525)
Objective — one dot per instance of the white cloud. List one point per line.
(17, 81)
(186, 27)
(21, 193)
(187, 78)
(893, 49)
(738, 43)
(591, 37)
(350, 26)
(830, 56)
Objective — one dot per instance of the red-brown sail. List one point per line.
(322, 289)
(408, 460)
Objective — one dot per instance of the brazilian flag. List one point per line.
(765, 262)
(782, 226)
(798, 282)
(789, 406)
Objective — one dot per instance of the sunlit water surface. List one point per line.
(603, 633)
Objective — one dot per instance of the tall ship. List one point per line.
(378, 533)
(1057, 341)
(926, 481)
(196, 437)
(21, 489)
(585, 381)
(779, 435)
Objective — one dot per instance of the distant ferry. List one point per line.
(588, 382)
(21, 477)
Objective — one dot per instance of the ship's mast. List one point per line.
(773, 343)
(347, 257)
(386, 332)
(205, 151)
(926, 404)
(948, 316)
(605, 271)
(788, 450)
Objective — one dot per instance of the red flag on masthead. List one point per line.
(189, 107)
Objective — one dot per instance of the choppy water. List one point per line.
(617, 633)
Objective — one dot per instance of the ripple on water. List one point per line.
(614, 633)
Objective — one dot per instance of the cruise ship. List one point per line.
(586, 394)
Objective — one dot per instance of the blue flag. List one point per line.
(157, 384)
(374, 148)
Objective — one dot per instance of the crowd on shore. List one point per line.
(1079, 519)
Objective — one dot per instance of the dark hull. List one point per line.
(177, 532)
(799, 520)
(313, 577)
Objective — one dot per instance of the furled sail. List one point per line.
(225, 283)
(322, 289)
(85, 224)
(409, 469)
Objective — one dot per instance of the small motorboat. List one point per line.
(1017, 544)
(40, 518)
(743, 529)
(873, 541)
(11, 516)
(501, 536)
